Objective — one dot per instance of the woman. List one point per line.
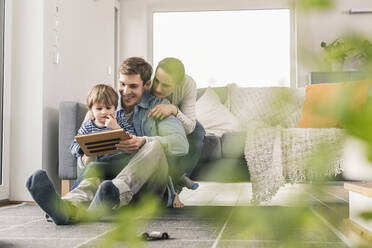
(172, 83)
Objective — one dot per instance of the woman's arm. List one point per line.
(186, 112)
(186, 99)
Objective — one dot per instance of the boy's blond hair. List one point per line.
(102, 94)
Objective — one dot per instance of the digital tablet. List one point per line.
(95, 144)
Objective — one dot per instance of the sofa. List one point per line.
(269, 149)
(224, 157)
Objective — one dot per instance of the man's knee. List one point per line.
(154, 146)
(156, 151)
(90, 182)
(94, 169)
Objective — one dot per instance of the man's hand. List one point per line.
(111, 122)
(87, 160)
(131, 145)
(89, 116)
(162, 111)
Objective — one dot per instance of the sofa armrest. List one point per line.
(71, 115)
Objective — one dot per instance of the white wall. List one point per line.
(311, 28)
(86, 48)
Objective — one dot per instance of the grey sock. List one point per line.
(105, 199)
(188, 183)
(44, 194)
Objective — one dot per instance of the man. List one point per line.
(143, 166)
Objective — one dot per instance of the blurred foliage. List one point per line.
(350, 47)
(366, 215)
(131, 220)
(357, 122)
(336, 52)
(286, 226)
(315, 5)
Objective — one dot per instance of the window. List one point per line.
(248, 47)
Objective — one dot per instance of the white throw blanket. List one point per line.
(277, 155)
(276, 151)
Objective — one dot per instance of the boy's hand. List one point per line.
(111, 122)
(87, 160)
(131, 145)
(162, 111)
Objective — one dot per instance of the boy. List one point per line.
(102, 101)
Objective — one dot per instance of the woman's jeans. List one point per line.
(179, 166)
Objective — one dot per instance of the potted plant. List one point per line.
(336, 54)
(364, 53)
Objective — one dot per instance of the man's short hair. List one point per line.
(136, 65)
(174, 68)
(102, 94)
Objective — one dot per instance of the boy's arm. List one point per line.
(76, 151)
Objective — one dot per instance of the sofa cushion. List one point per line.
(220, 91)
(232, 144)
(211, 148)
(323, 103)
(214, 116)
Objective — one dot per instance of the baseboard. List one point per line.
(8, 203)
(358, 229)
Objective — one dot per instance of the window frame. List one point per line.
(4, 188)
(229, 6)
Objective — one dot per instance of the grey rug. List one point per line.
(24, 225)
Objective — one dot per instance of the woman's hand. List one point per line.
(162, 111)
(131, 145)
(111, 122)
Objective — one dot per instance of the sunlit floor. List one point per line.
(237, 194)
(216, 215)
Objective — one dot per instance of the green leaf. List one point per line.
(313, 5)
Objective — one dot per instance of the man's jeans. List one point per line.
(130, 173)
(185, 165)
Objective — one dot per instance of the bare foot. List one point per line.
(177, 202)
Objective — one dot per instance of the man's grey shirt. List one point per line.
(169, 132)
